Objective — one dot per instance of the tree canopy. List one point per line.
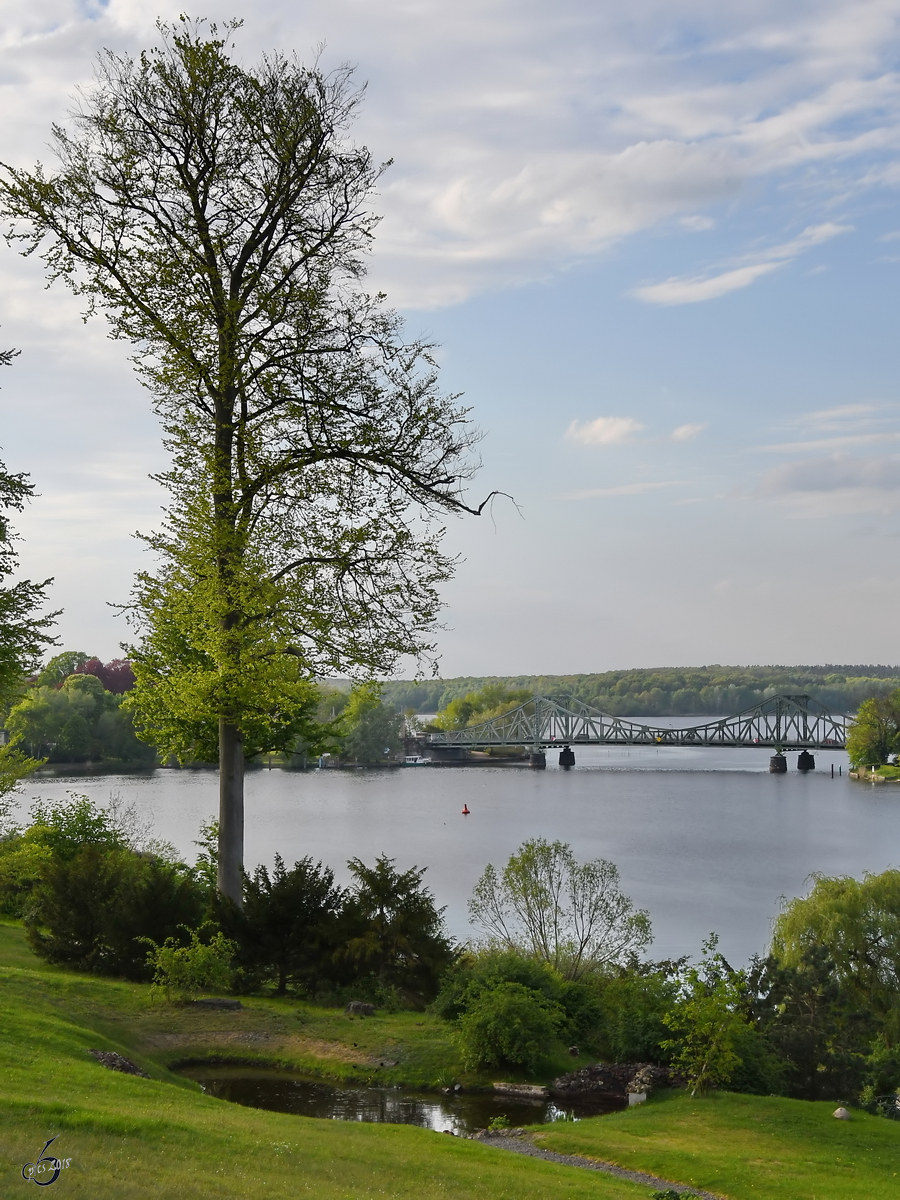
(662, 691)
(875, 734)
(573, 916)
(218, 215)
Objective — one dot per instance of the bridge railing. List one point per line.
(785, 722)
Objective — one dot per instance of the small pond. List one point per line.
(285, 1091)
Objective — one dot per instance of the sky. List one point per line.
(659, 247)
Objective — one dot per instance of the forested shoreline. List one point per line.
(667, 691)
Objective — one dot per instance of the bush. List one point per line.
(632, 1004)
(709, 1021)
(182, 972)
(391, 932)
(90, 884)
(509, 1025)
(93, 911)
(473, 974)
(287, 931)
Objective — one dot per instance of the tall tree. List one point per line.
(571, 915)
(875, 733)
(217, 215)
(24, 631)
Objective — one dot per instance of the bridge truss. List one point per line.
(782, 722)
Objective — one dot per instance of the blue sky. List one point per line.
(660, 249)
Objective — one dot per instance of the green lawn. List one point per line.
(162, 1137)
(746, 1147)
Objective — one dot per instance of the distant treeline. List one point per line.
(668, 691)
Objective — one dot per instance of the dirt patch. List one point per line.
(291, 1045)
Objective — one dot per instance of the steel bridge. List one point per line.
(782, 722)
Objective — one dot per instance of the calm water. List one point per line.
(284, 1091)
(704, 839)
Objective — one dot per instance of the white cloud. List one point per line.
(835, 443)
(526, 136)
(694, 289)
(836, 485)
(684, 433)
(696, 224)
(624, 489)
(603, 431)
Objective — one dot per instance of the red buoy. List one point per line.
(465, 810)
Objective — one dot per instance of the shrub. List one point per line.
(286, 933)
(544, 904)
(509, 1025)
(473, 974)
(632, 1004)
(392, 933)
(90, 883)
(182, 972)
(709, 1022)
(92, 911)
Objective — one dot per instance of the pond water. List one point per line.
(463, 1112)
(705, 839)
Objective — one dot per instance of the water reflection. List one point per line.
(283, 1091)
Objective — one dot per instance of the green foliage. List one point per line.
(509, 1025)
(664, 691)
(14, 767)
(64, 826)
(373, 730)
(474, 707)
(857, 924)
(189, 670)
(571, 915)
(633, 1002)
(287, 931)
(182, 972)
(875, 734)
(392, 931)
(23, 861)
(708, 1021)
(92, 911)
(811, 1024)
(90, 883)
(826, 998)
(472, 975)
(77, 721)
(24, 635)
(60, 667)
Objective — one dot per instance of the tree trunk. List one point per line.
(231, 811)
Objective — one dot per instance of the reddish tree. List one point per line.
(116, 675)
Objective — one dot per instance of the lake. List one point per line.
(705, 839)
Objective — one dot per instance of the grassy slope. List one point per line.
(415, 1050)
(746, 1147)
(130, 1137)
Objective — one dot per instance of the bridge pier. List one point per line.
(778, 764)
(537, 760)
(806, 761)
(566, 758)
